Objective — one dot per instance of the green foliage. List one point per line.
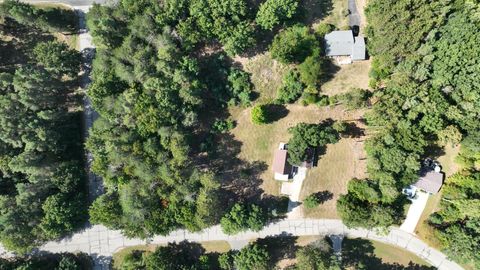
(316, 256)
(293, 44)
(173, 256)
(243, 217)
(106, 210)
(309, 136)
(260, 114)
(63, 261)
(225, 261)
(222, 126)
(47, 19)
(311, 201)
(41, 159)
(252, 257)
(273, 12)
(324, 28)
(241, 39)
(240, 87)
(57, 58)
(312, 70)
(291, 88)
(355, 99)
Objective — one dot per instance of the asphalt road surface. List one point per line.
(73, 3)
(354, 17)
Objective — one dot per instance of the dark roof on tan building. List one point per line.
(280, 164)
(430, 181)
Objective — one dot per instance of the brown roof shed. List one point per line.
(280, 164)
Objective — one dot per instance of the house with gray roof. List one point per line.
(344, 47)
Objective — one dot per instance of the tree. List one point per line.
(252, 257)
(68, 263)
(240, 87)
(355, 99)
(241, 39)
(311, 201)
(316, 256)
(106, 210)
(291, 88)
(173, 256)
(62, 216)
(57, 58)
(273, 12)
(243, 217)
(312, 70)
(293, 44)
(260, 114)
(309, 136)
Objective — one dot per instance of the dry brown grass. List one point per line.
(347, 78)
(447, 160)
(216, 246)
(336, 15)
(266, 75)
(259, 141)
(335, 168)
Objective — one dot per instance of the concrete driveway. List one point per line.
(415, 212)
(293, 189)
(354, 17)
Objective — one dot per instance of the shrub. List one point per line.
(355, 99)
(311, 201)
(293, 44)
(324, 28)
(309, 98)
(241, 38)
(340, 126)
(222, 126)
(260, 114)
(291, 88)
(273, 12)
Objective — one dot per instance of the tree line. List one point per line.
(41, 160)
(426, 97)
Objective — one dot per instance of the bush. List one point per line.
(309, 98)
(260, 114)
(293, 44)
(243, 217)
(355, 99)
(273, 12)
(241, 38)
(311, 201)
(340, 126)
(324, 28)
(291, 88)
(222, 126)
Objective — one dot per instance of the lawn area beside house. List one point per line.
(258, 142)
(341, 162)
(347, 77)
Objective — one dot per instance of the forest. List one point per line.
(163, 79)
(42, 194)
(427, 96)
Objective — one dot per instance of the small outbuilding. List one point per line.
(281, 167)
(344, 47)
(431, 179)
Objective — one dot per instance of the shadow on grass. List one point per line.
(311, 11)
(361, 253)
(279, 247)
(323, 196)
(276, 112)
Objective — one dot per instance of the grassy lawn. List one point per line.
(380, 256)
(266, 75)
(332, 174)
(331, 11)
(258, 142)
(347, 77)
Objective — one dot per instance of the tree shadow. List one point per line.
(330, 70)
(280, 247)
(353, 131)
(323, 196)
(314, 10)
(358, 252)
(276, 112)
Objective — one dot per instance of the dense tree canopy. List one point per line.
(427, 96)
(41, 172)
(274, 12)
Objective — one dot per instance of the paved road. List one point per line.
(354, 17)
(86, 47)
(73, 3)
(101, 243)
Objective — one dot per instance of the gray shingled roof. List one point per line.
(430, 182)
(359, 48)
(341, 43)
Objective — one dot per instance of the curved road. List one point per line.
(101, 243)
